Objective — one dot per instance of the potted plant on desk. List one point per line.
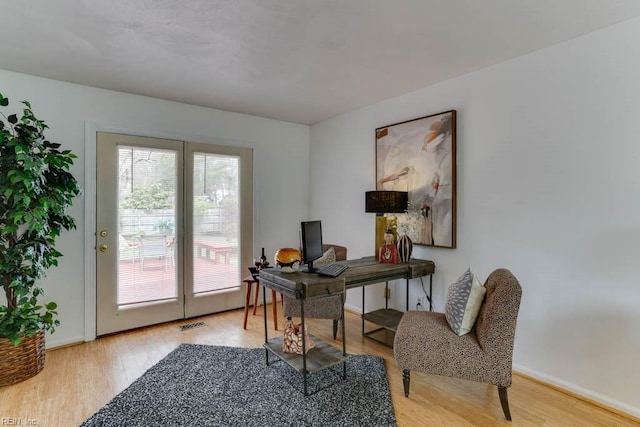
(36, 188)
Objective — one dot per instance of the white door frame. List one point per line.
(90, 226)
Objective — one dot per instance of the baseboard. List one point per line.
(588, 396)
(353, 309)
(52, 344)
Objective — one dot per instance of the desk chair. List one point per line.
(426, 343)
(323, 308)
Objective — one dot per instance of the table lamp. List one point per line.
(382, 202)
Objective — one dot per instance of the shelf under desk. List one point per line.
(320, 357)
(361, 272)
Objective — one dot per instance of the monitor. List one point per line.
(311, 240)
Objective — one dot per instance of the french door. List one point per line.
(174, 229)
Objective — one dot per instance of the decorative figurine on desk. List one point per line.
(388, 252)
(288, 259)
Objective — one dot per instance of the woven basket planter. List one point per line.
(21, 362)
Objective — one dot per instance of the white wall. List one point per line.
(281, 154)
(548, 184)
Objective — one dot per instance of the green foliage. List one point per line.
(36, 188)
(164, 225)
(148, 197)
(200, 204)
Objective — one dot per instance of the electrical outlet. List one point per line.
(420, 304)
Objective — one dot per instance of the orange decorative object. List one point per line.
(288, 259)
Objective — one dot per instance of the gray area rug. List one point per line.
(200, 385)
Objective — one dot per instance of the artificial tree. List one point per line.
(36, 188)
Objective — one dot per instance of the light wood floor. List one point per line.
(79, 380)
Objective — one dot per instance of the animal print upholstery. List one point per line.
(424, 341)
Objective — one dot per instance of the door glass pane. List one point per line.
(216, 222)
(147, 184)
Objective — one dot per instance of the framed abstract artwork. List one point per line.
(419, 156)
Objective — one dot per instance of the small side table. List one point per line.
(250, 281)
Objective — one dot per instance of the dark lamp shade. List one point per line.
(386, 201)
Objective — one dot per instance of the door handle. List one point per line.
(103, 248)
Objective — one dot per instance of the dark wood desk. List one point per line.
(306, 286)
(368, 271)
(361, 272)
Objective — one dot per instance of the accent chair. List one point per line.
(425, 342)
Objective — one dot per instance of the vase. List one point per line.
(405, 247)
(288, 259)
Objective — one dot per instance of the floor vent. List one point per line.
(190, 326)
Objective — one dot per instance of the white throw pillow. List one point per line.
(464, 299)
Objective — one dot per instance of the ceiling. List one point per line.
(300, 61)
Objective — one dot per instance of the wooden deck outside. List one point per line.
(158, 279)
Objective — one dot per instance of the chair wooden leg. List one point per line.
(246, 303)
(255, 301)
(335, 329)
(406, 378)
(504, 401)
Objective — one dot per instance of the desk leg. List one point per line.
(363, 288)
(266, 331)
(407, 309)
(304, 346)
(275, 309)
(386, 295)
(344, 340)
(430, 296)
(431, 292)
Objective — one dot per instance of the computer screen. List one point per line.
(311, 236)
